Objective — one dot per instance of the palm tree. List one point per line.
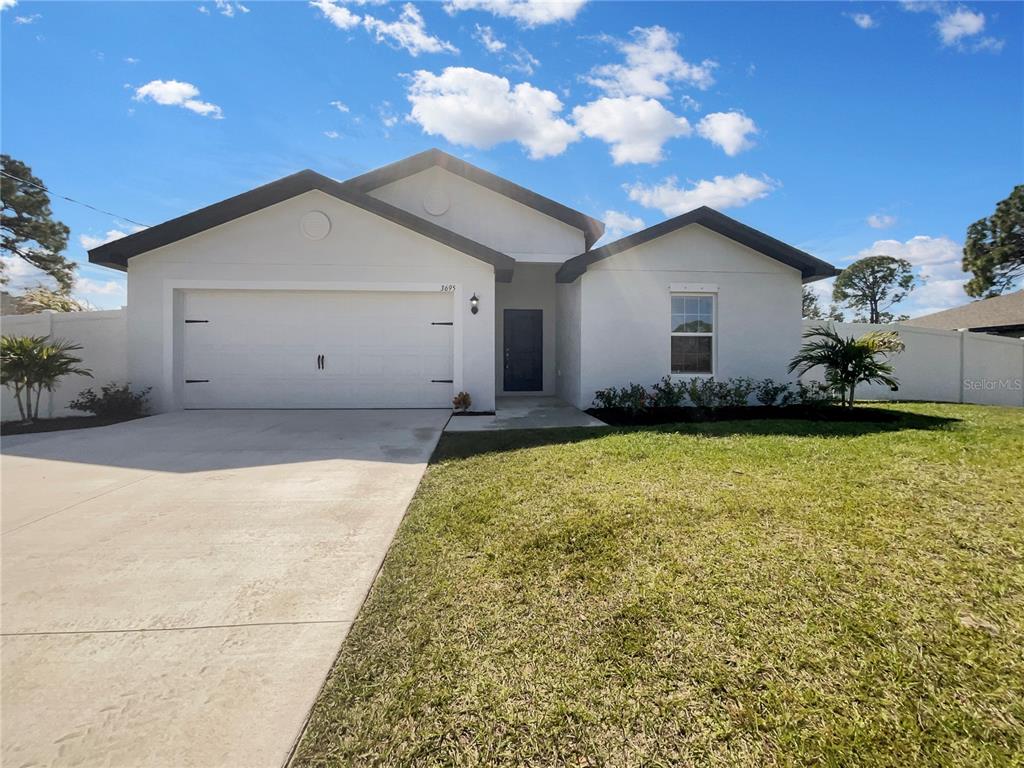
(848, 361)
(30, 364)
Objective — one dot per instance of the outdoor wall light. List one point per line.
(474, 304)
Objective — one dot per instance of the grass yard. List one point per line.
(735, 593)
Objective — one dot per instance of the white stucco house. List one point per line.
(430, 276)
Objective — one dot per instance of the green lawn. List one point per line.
(738, 593)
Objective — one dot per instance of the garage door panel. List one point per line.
(259, 349)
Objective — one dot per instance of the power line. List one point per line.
(71, 199)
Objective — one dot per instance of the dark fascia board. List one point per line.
(811, 268)
(592, 228)
(116, 254)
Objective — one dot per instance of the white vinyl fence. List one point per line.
(104, 341)
(946, 366)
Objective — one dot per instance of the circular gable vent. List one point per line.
(315, 225)
(436, 202)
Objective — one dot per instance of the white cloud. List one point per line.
(340, 106)
(863, 20)
(485, 36)
(86, 285)
(92, 241)
(635, 127)
(619, 224)
(529, 13)
(337, 14)
(937, 262)
(881, 220)
(688, 102)
(958, 27)
(332, 134)
(204, 10)
(961, 23)
(175, 93)
(652, 62)
(478, 109)
(523, 62)
(408, 32)
(30, 19)
(21, 275)
(130, 60)
(729, 130)
(5, 4)
(919, 250)
(226, 8)
(935, 296)
(719, 192)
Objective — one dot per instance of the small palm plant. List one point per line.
(30, 364)
(848, 361)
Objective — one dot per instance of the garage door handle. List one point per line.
(319, 362)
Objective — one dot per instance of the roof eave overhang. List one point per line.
(117, 253)
(810, 267)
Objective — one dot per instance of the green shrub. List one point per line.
(632, 398)
(706, 393)
(736, 392)
(769, 392)
(668, 394)
(813, 393)
(113, 401)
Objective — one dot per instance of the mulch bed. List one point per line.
(62, 423)
(619, 417)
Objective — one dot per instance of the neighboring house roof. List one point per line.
(592, 228)
(996, 313)
(115, 254)
(811, 268)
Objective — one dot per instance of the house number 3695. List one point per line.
(448, 288)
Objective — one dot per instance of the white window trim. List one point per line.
(714, 328)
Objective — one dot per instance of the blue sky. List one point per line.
(846, 129)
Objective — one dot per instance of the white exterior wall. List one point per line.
(486, 216)
(567, 352)
(626, 310)
(102, 336)
(532, 287)
(266, 250)
(944, 366)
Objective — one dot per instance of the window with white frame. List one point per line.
(693, 332)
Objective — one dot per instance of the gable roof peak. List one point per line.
(367, 182)
(810, 267)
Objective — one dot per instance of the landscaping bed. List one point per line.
(61, 423)
(684, 414)
(732, 593)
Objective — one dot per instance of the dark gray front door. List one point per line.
(524, 350)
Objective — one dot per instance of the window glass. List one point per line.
(692, 314)
(691, 354)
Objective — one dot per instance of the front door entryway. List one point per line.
(524, 350)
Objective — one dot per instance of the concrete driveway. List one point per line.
(175, 589)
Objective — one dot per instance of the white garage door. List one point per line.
(305, 349)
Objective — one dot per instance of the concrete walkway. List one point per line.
(525, 413)
(175, 589)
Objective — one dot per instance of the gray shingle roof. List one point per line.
(989, 314)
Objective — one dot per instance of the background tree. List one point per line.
(27, 226)
(994, 249)
(848, 361)
(30, 364)
(39, 298)
(811, 305)
(873, 284)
